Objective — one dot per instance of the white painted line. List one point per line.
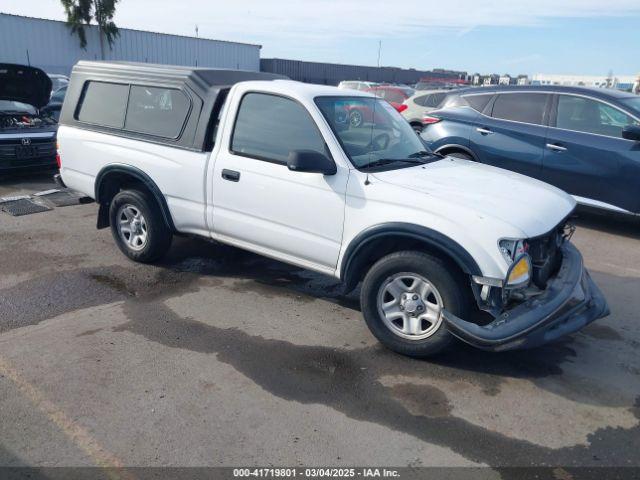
(46, 192)
(11, 199)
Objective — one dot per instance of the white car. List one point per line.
(443, 247)
(356, 85)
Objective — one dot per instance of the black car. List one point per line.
(585, 141)
(27, 134)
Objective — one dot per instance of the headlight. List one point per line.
(519, 273)
(510, 249)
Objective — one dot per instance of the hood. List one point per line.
(530, 205)
(20, 83)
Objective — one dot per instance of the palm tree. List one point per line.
(81, 12)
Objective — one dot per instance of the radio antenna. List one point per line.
(373, 119)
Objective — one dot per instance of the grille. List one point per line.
(15, 150)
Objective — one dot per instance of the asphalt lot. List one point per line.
(220, 357)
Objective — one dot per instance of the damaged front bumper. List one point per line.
(570, 301)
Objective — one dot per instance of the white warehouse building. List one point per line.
(49, 44)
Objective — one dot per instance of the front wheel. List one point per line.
(403, 297)
(138, 227)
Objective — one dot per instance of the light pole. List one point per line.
(197, 45)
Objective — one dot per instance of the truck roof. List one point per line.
(306, 90)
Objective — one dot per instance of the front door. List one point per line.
(260, 204)
(586, 155)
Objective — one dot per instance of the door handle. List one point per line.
(231, 175)
(484, 131)
(556, 148)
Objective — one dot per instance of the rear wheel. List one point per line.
(403, 298)
(356, 118)
(138, 227)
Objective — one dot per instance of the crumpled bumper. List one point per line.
(570, 301)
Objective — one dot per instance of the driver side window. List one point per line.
(268, 127)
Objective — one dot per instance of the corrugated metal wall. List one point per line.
(334, 73)
(49, 45)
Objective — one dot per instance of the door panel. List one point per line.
(595, 163)
(260, 203)
(506, 140)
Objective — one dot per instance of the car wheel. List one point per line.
(417, 128)
(355, 118)
(463, 155)
(403, 297)
(138, 227)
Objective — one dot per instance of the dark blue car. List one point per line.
(582, 140)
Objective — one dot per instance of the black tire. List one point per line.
(458, 154)
(158, 234)
(356, 118)
(449, 283)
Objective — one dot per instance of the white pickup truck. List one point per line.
(443, 247)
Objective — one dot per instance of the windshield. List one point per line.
(371, 131)
(633, 103)
(58, 95)
(16, 107)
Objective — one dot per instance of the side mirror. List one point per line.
(631, 132)
(311, 161)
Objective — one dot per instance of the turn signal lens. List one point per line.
(520, 272)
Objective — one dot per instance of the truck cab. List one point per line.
(276, 167)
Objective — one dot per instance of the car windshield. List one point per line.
(372, 132)
(16, 107)
(58, 95)
(633, 103)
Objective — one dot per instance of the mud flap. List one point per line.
(103, 216)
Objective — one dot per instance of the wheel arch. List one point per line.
(377, 241)
(112, 178)
(452, 147)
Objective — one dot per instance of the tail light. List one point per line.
(58, 160)
(429, 120)
(401, 108)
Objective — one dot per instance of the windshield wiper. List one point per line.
(424, 153)
(387, 161)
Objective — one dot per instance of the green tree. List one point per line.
(80, 13)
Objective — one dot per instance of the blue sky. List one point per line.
(500, 36)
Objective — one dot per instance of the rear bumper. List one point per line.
(59, 182)
(570, 301)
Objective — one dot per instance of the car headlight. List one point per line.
(510, 249)
(519, 273)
